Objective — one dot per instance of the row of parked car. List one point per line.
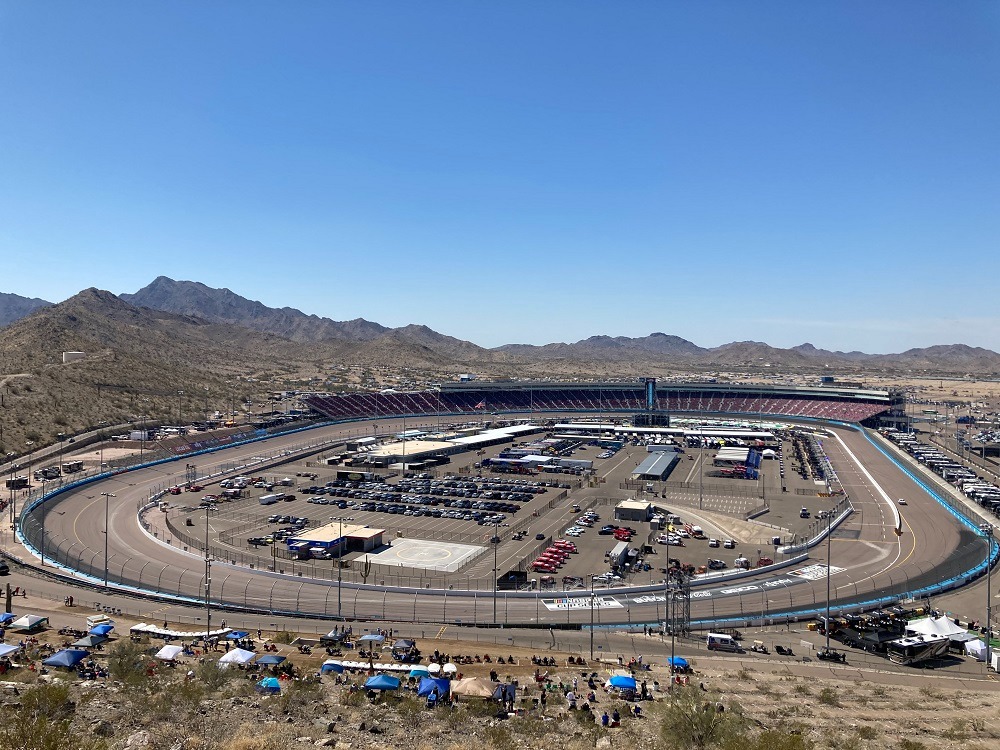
(554, 556)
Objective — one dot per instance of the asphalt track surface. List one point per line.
(868, 559)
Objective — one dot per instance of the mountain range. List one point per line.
(369, 343)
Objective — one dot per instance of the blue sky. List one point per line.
(518, 171)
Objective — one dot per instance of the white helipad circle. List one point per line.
(422, 555)
(427, 554)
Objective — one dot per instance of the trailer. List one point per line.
(272, 499)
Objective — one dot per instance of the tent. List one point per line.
(30, 623)
(382, 682)
(371, 638)
(270, 659)
(977, 649)
(235, 635)
(934, 626)
(89, 641)
(6, 617)
(169, 653)
(7, 649)
(474, 687)
(332, 666)
(268, 685)
(420, 671)
(427, 684)
(677, 661)
(449, 668)
(433, 668)
(104, 629)
(622, 682)
(68, 657)
(237, 656)
(403, 644)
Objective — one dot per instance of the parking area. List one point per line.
(465, 504)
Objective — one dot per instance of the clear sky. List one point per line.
(518, 171)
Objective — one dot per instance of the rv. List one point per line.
(916, 649)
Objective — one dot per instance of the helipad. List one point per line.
(422, 553)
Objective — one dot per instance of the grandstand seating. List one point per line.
(486, 400)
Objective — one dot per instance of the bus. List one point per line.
(17, 483)
(71, 467)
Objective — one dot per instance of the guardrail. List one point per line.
(960, 568)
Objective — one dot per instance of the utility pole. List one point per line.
(107, 496)
(988, 533)
(496, 543)
(208, 583)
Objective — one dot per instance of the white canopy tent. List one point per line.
(237, 656)
(169, 653)
(976, 648)
(143, 627)
(934, 626)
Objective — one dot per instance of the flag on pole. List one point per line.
(480, 405)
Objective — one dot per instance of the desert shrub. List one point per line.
(284, 636)
(908, 744)
(828, 697)
(499, 738)
(692, 720)
(25, 732)
(127, 663)
(867, 733)
(48, 700)
(299, 694)
(257, 738)
(769, 739)
(212, 675)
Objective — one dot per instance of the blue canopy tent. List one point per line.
(382, 682)
(419, 672)
(67, 658)
(6, 617)
(270, 659)
(332, 666)
(102, 629)
(622, 682)
(428, 684)
(678, 661)
(268, 685)
(235, 635)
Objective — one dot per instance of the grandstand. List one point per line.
(843, 404)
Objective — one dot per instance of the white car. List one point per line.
(713, 542)
(902, 501)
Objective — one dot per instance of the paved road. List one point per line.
(871, 559)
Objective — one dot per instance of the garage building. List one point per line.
(634, 510)
(657, 466)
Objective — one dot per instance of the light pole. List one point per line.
(591, 619)
(10, 458)
(829, 552)
(62, 437)
(208, 584)
(107, 496)
(42, 544)
(340, 554)
(496, 543)
(180, 414)
(988, 533)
